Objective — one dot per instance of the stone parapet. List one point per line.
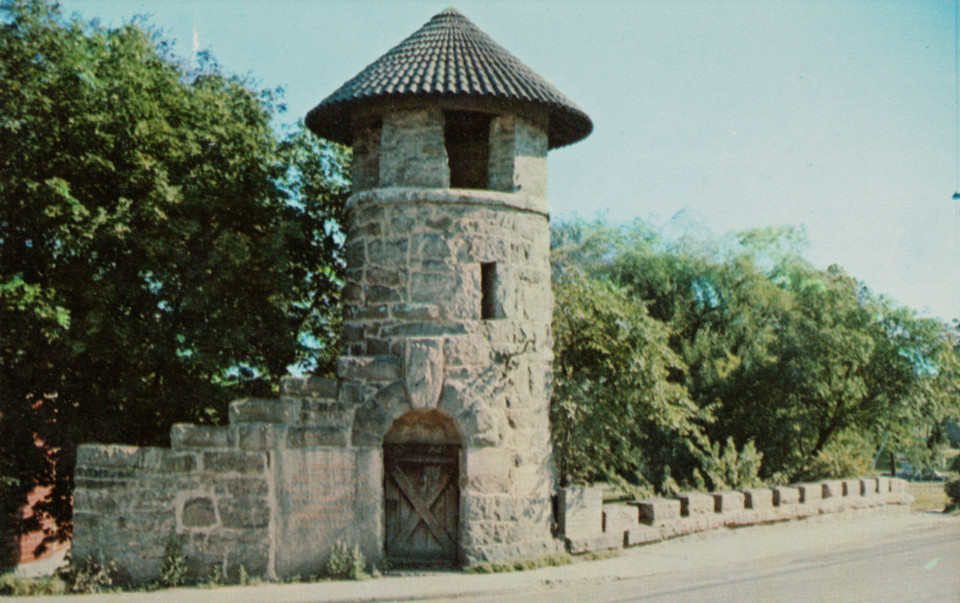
(618, 519)
(810, 493)
(831, 489)
(851, 487)
(758, 499)
(729, 502)
(785, 495)
(658, 511)
(581, 510)
(657, 519)
(695, 503)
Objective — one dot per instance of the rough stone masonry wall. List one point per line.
(271, 492)
(130, 502)
(590, 525)
(405, 148)
(414, 264)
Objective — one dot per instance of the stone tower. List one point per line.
(448, 302)
(432, 447)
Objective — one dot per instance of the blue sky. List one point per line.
(837, 116)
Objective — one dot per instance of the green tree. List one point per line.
(798, 371)
(619, 410)
(162, 249)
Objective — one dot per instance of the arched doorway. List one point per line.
(421, 456)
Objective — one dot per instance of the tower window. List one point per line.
(488, 290)
(466, 135)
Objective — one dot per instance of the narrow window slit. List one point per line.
(488, 290)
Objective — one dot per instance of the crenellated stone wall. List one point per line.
(593, 526)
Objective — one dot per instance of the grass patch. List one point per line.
(532, 563)
(19, 587)
(927, 496)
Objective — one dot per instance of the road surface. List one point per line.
(861, 556)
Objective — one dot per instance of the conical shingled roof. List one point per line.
(448, 57)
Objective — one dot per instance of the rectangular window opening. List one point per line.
(466, 135)
(488, 290)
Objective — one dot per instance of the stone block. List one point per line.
(351, 394)
(372, 311)
(657, 511)
(695, 503)
(107, 455)
(234, 461)
(617, 519)
(868, 486)
(258, 436)
(488, 472)
(244, 513)
(391, 253)
(252, 410)
(642, 535)
(785, 495)
(188, 435)
(831, 489)
(897, 485)
(309, 435)
(198, 512)
(758, 499)
(178, 463)
(728, 502)
(313, 387)
(242, 487)
(883, 485)
(810, 493)
(581, 511)
(368, 368)
(326, 413)
(412, 150)
(416, 311)
(851, 487)
(598, 542)
(424, 329)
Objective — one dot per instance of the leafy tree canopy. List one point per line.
(791, 367)
(162, 247)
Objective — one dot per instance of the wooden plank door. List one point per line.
(422, 499)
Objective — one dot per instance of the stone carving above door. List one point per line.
(423, 371)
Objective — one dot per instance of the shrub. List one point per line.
(173, 571)
(726, 467)
(345, 562)
(952, 489)
(89, 575)
(848, 455)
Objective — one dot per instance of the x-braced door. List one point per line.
(422, 500)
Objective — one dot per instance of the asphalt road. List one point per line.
(921, 565)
